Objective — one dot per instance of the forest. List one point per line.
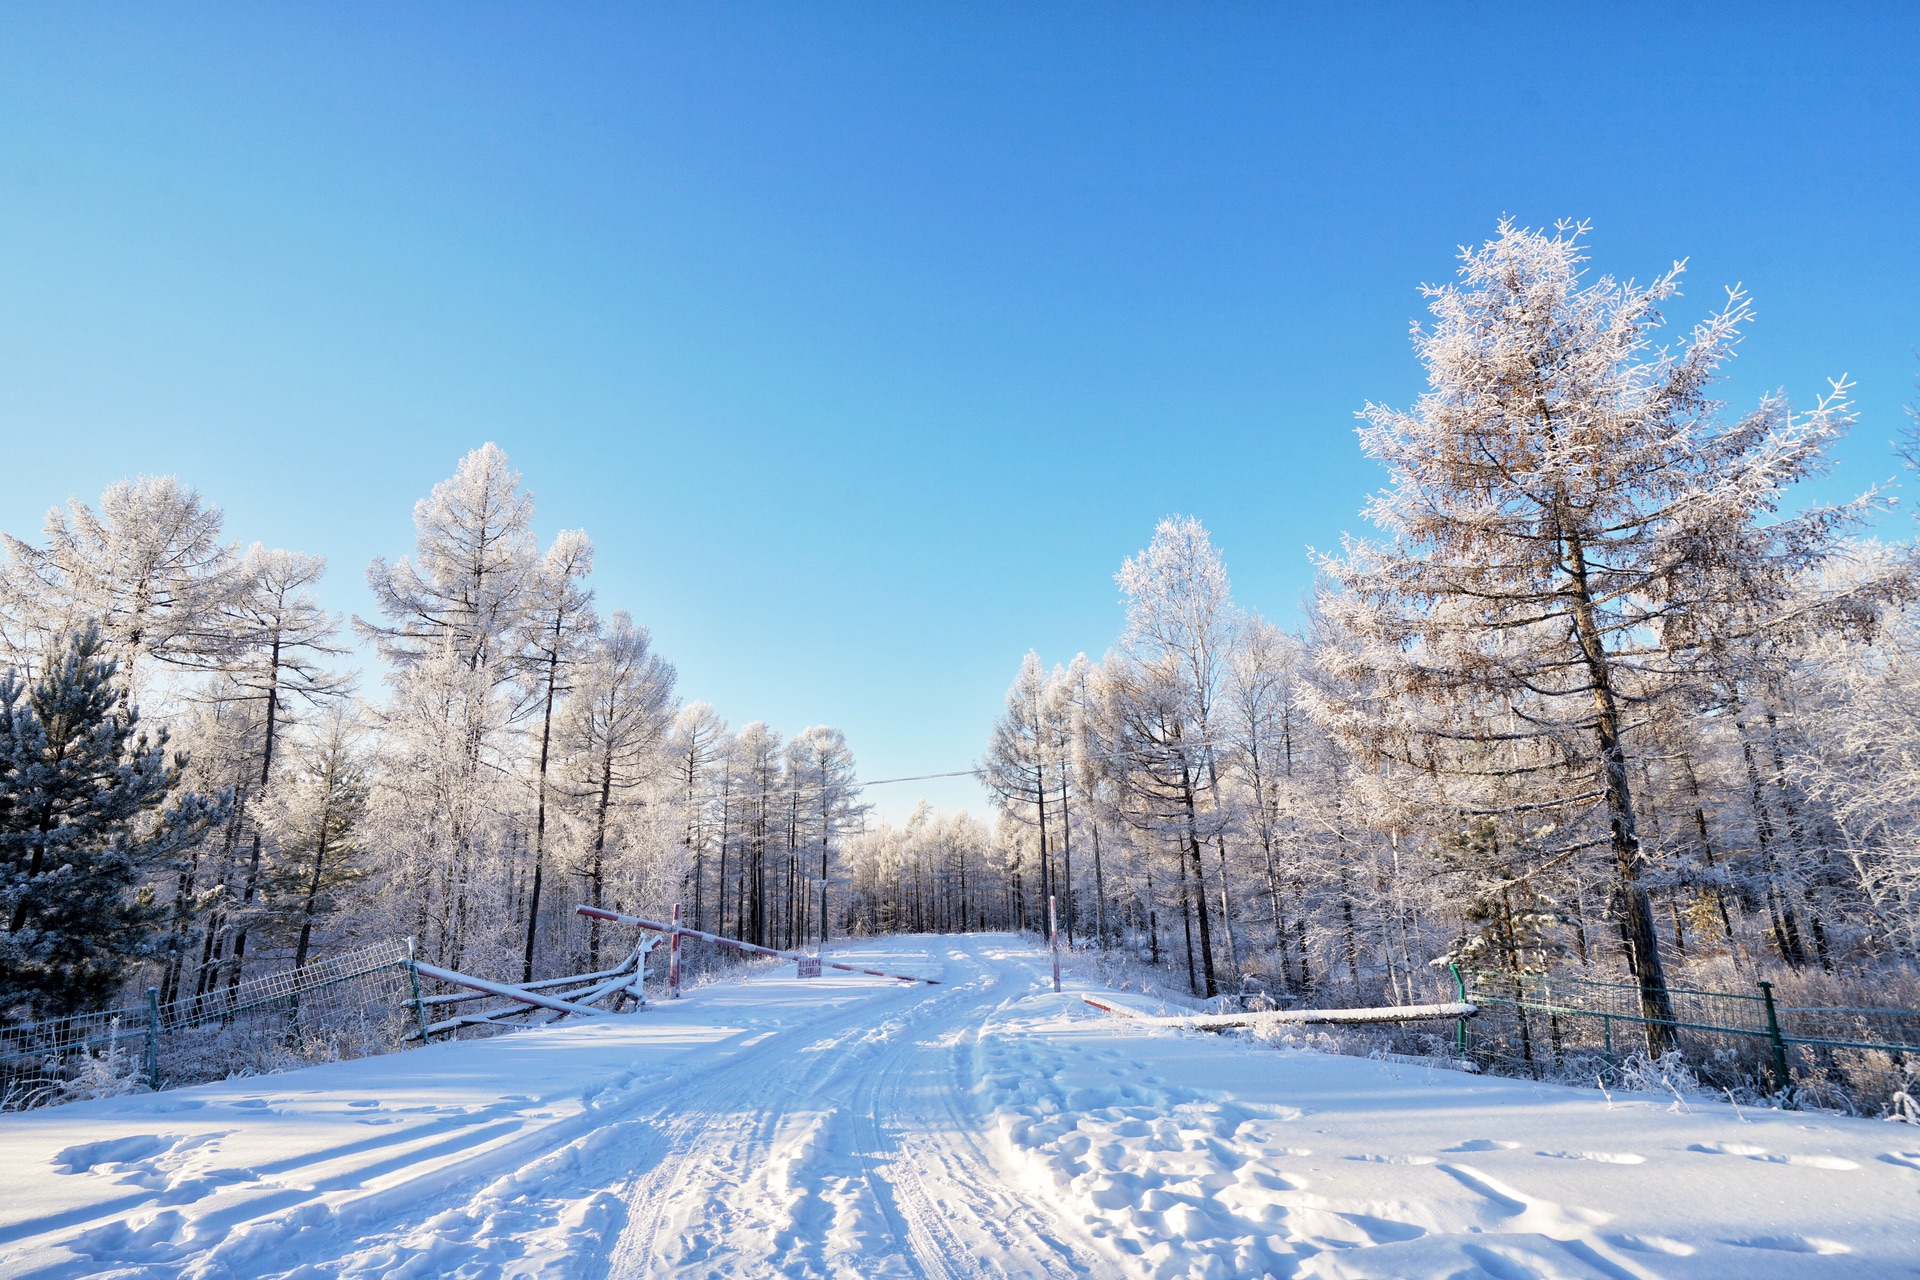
(1600, 692)
(195, 790)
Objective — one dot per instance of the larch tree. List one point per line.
(820, 770)
(454, 617)
(1179, 634)
(1562, 500)
(700, 743)
(317, 814)
(613, 733)
(148, 568)
(1021, 757)
(558, 625)
(278, 639)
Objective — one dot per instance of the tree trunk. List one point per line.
(540, 809)
(1643, 944)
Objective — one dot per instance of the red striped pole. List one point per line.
(673, 957)
(1053, 939)
(675, 932)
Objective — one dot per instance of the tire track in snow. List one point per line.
(709, 1164)
(951, 1198)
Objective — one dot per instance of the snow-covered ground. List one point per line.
(853, 1127)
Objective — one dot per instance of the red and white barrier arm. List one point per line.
(735, 943)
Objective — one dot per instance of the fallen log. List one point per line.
(502, 989)
(1294, 1017)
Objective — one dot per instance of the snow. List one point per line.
(854, 1127)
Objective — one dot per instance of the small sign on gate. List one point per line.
(807, 967)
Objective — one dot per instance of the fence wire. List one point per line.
(342, 1006)
(1851, 1059)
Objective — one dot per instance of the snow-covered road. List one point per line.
(852, 1127)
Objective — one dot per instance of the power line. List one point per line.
(981, 774)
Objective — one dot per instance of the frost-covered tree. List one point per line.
(1264, 723)
(454, 624)
(316, 816)
(699, 745)
(149, 569)
(558, 625)
(827, 804)
(1179, 634)
(278, 640)
(1564, 503)
(613, 735)
(1022, 759)
(469, 582)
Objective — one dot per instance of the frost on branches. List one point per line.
(1572, 532)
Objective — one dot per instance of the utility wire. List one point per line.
(857, 784)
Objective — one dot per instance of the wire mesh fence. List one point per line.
(343, 1006)
(1851, 1059)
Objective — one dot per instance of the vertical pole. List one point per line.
(673, 957)
(1780, 1068)
(153, 1038)
(413, 979)
(1053, 940)
(1460, 1026)
(1606, 1033)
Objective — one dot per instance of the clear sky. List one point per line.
(867, 340)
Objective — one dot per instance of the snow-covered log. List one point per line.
(1274, 1017)
(502, 989)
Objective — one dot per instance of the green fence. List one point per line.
(361, 1001)
(1857, 1058)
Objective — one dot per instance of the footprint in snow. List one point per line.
(1483, 1144)
(1906, 1159)
(1603, 1157)
(1761, 1154)
(88, 1156)
(1792, 1244)
(1653, 1244)
(1395, 1159)
(1810, 1162)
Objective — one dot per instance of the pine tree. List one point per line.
(83, 816)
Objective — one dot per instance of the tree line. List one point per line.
(193, 785)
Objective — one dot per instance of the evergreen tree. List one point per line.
(83, 816)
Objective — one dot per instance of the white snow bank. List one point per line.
(1196, 1156)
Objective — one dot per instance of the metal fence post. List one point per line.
(1780, 1066)
(1606, 1032)
(152, 1063)
(1053, 940)
(1460, 1025)
(413, 977)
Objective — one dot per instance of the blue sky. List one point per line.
(867, 340)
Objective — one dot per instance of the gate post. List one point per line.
(413, 979)
(673, 957)
(1780, 1067)
(1053, 940)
